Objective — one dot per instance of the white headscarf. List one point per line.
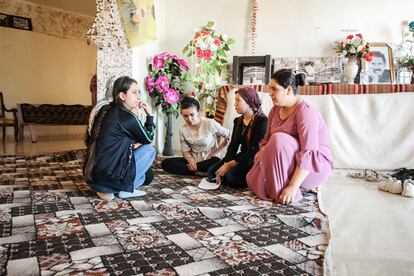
(103, 102)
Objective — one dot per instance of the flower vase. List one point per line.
(350, 70)
(168, 150)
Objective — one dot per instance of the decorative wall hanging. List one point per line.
(138, 17)
(114, 55)
(253, 25)
(45, 19)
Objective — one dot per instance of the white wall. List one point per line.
(39, 68)
(284, 27)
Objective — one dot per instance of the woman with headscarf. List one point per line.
(248, 131)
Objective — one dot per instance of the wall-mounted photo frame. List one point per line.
(252, 69)
(381, 68)
(17, 22)
(22, 23)
(4, 20)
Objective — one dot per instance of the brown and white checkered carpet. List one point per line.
(52, 223)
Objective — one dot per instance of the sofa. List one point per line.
(50, 114)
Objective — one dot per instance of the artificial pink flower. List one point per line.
(162, 83)
(183, 64)
(149, 84)
(206, 33)
(349, 37)
(158, 61)
(359, 35)
(199, 53)
(207, 54)
(197, 35)
(163, 55)
(217, 42)
(171, 96)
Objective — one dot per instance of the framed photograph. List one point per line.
(381, 68)
(316, 69)
(17, 22)
(251, 69)
(4, 20)
(23, 23)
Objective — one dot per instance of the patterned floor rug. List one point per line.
(51, 223)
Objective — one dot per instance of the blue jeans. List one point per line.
(144, 157)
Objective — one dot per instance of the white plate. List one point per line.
(206, 185)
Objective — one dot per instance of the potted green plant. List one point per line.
(209, 50)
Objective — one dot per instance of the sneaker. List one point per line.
(391, 185)
(105, 196)
(408, 188)
(368, 175)
(136, 193)
(207, 185)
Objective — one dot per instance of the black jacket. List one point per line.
(114, 165)
(238, 138)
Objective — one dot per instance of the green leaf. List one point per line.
(231, 41)
(185, 49)
(210, 24)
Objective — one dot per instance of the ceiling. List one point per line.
(87, 7)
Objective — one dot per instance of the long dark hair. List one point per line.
(122, 84)
(189, 102)
(286, 77)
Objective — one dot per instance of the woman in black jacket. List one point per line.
(118, 141)
(248, 131)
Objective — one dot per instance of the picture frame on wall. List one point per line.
(4, 20)
(17, 22)
(22, 23)
(252, 69)
(381, 68)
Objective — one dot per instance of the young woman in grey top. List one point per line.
(199, 139)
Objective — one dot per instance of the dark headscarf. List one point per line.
(251, 97)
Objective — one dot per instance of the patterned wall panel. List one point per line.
(49, 20)
(114, 55)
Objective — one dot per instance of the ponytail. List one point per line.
(91, 143)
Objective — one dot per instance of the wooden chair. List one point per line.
(8, 122)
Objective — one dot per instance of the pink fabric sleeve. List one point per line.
(266, 138)
(308, 157)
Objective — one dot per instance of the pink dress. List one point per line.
(301, 140)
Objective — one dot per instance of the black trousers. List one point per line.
(178, 165)
(235, 177)
(149, 176)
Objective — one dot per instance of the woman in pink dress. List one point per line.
(295, 153)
